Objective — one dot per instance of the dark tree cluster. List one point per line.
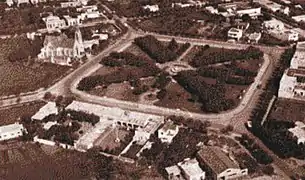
(205, 57)
(194, 124)
(260, 155)
(123, 74)
(274, 133)
(155, 49)
(83, 117)
(162, 81)
(211, 96)
(119, 59)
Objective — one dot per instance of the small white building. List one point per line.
(252, 12)
(285, 35)
(299, 18)
(49, 124)
(211, 9)
(11, 131)
(46, 110)
(235, 33)
(191, 169)
(69, 4)
(298, 131)
(188, 169)
(254, 37)
(273, 24)
(73, 21)
(54, 23)
(152, 8)
(167, 133)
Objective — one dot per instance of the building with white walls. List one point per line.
(298, 131)
(188, 169)
(273, 24)
(11, 131)
(219, 164)
(152, 8)
(54, 23)
(46, 110)
(235, 33)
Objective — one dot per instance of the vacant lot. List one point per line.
(288, 110)
(11, 115)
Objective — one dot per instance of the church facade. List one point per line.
(61, 49)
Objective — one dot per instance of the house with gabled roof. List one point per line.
(219, 165)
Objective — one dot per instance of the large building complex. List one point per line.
(292, 84)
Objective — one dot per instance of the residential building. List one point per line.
(167, 133)
(252, 12)
(188, 169)
(191, 170)
(254, 37)
(69, 4)
(17, 2)
(292, 84)
(11, 131)
(54, 23)
(235, 33)
(299, 18)
(211, 9)
(219, 165)
(49, 124)
(273, 24)
(285, 35)
(298, 131)
(174, 173)
(269, 5)
(61, 49)
(151, 8)
(72, 21)
(46, 110)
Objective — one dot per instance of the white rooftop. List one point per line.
(49, 124)
(191, 167)
(11, 128)
(299, 131)
(148, 122)
(173, 170)
(46, 110)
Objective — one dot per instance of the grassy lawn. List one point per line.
(11, 115)
(17, 77)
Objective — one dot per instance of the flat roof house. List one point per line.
(167, 133)
(46, 110)
(219, 165)
(235, 33)
(11, 131)
(188, 169)
(298, 131)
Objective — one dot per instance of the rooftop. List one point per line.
(173, 170)
(190, 167)
(298, 130)
(169, 125)
(235, 30)
(216, 159)
(11, 128)
(46, 110)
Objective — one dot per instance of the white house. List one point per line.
(292, 84)
(188, 169)
(269, 5)
(152, 8)
(221, 165)
(211, 9)
(167, 133)
(299, 18)
(69, 4)
(54, 23)
(254, 37)
(298, 131)
(11, 131)
(73, 21)
(285, 35)
(61, 49)
(252, 12)
(235, 33)
(191, 169)
(273, 24)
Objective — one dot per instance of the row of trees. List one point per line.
(260, 155)
(212, 96)
(82, 116)
(118, 59)
(205, 56)
(156, 50)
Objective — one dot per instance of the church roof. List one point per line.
(59, 41)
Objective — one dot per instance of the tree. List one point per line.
(268, 170)
(173, 45)
(246, 18)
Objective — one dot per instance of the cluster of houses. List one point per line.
(63, 4)
(218, 163)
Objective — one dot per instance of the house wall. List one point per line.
(10, 135)
(232, 174)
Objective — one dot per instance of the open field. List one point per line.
(22, 75)
(288, 110)
(11, 114)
